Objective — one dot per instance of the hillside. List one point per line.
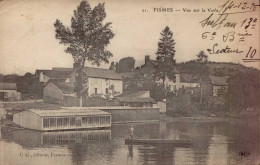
(220, 68)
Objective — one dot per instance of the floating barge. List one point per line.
(62, 119)
(177, 143)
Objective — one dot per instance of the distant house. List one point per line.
(182, 81)
(136, 99)
(42, 76)
(146, 71)
(100, 81)
(60, 73)
(59, 93)
(8, 92)
(219, 84)
(214, 85)
(102, 85)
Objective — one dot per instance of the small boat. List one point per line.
(176, 143)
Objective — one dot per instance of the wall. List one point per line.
(162, 106)
(70, 101)
(102, 84)
(178, 84)
(124, 115)
(95, 102)
(10, 95)
(43, 78)
(28, 119)
(52, 94)
(99, 83)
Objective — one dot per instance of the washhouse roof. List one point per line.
(68, 112)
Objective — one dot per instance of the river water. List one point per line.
(213, 143)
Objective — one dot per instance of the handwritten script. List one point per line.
(225, 18)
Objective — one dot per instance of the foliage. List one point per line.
(243, 90)
(113, 66)
(86, 38)
(157, 91)
(202, 57)
(126, 64)
(165, 56)
(197, 69)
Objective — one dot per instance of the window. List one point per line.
(90, 121)
(52, 122)
(63, 122)
(96, 120)
(106, 90)
(45, 123)
(104, 120)
(72, 121)
(78, 121)
(95, 90)
(85, 120)
(49, 122)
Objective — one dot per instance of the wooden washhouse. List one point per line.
(62, 119)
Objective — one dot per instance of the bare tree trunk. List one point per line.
(200, 92)
(163, 81)
(80, 101)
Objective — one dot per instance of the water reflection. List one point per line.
(159, 154)
(37, 139)
(212, 143)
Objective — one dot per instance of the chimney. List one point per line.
(147, 58)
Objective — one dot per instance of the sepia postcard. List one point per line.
(132, 82)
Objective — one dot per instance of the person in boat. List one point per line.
(131, 131)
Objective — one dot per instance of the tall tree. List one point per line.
(86, 39)
(201, 70)
(165, 56)
(126, 64)
(202, 57)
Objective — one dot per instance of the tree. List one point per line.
(165, 56)
(198, 67)
(202, 57)
(157, 91)
(126, 64)
(113, 66)
(86, 39)
(243, 90)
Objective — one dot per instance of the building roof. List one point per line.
(219, 80)
(62, 69)
(8, 86)
(136, 97)
(45, 72)
(68, 112)
(189, 78)
(135, 100)
(64, 87)
(102, 73)
(129, 75)
(134, 93)
(60, 74)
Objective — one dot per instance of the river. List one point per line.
(213, 143)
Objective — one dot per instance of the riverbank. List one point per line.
(198, 119)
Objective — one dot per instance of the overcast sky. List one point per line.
(28, 41)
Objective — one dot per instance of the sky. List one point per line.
(28, 40)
